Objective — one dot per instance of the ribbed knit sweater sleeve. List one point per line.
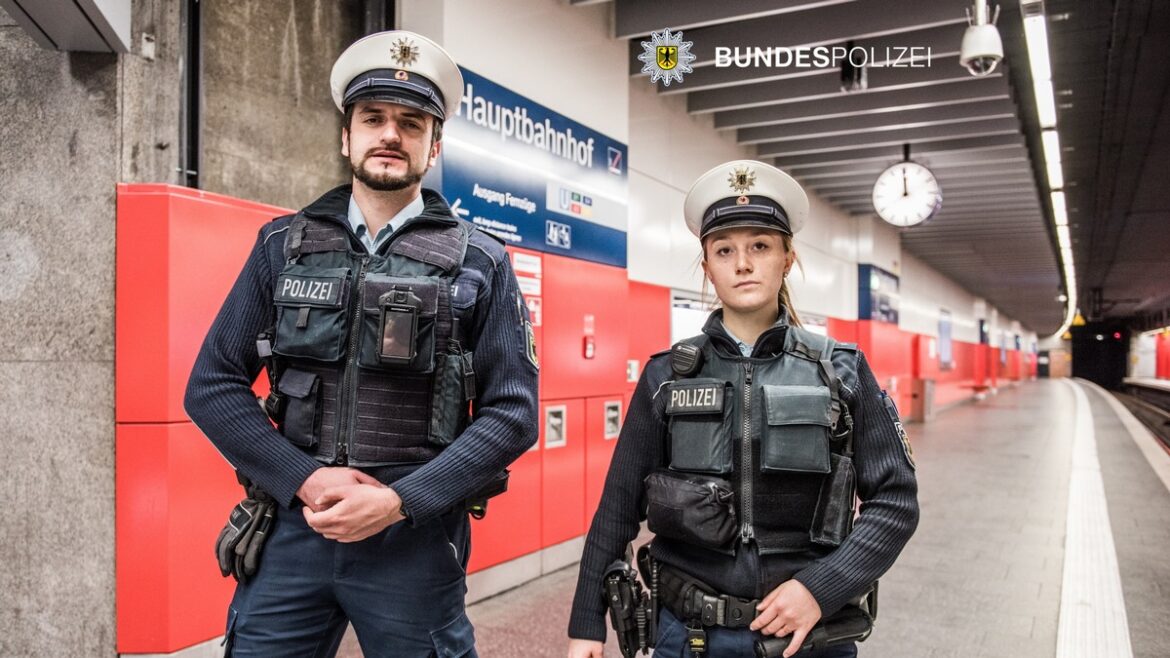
(640, 449)
(888, 491)
(504, 424)
(219, 395)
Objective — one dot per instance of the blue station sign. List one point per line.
(535, 178)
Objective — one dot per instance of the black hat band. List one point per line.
(767, 212)
(383, 84)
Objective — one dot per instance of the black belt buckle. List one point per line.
(739, 612)
(711, 610)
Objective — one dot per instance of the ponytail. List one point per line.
(785, 297)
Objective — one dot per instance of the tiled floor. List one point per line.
(982, 576)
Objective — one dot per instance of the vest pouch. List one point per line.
(833, 519)
(449, 411)
(694, 509)
(398, 323)
(797, 436)
(302, 412)
(701, 432)
(311, 312)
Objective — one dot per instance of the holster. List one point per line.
(240, 543)
(631, 612)
(853, 623)
(476, 503)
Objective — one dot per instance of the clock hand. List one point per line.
(905, 185)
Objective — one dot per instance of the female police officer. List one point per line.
(743, 447)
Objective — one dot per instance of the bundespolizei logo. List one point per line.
(666, 57)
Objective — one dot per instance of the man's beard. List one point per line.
(386, 181)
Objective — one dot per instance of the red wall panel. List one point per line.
(174, 493)
(845, 331)
(648, 317)
(889, 351)
(178, 253)
(600, 440)
(583, 301)
(563, 474)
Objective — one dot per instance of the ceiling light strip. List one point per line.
(1036, 36)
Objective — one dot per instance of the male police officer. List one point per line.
(381, 319)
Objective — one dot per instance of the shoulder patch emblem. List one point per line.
(528, 335)
(892, 410)
(531, 351)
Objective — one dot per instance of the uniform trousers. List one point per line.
(725, 642)
(402, 589)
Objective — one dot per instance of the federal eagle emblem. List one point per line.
(742, 179)
(404, 52)
(666, 57)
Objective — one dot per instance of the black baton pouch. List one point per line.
(692, 508)
(833, 519)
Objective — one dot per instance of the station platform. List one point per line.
(1044, 532)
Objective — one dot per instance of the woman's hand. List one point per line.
(790, 608)
(586, 649)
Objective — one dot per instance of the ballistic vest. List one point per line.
(768, 425)
(369, 362)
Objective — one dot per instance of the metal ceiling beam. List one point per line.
(971, 215)
(943, 70)
(953, 215)
(951, 201)
(862, 19)
(893, 153)
(970, 112)
(876, 167)
(853, 104)
(1020, 171)
(1017, 234)
(889, 50)
(913, 136)
(990, 210)
(633, 18)
(991, 202)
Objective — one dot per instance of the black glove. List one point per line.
(238, 547)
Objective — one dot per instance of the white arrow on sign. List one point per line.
(458, 210)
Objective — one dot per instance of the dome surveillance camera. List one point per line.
(982, 49)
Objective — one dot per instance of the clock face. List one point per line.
(906, 194)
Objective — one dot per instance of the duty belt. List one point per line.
(691, 600)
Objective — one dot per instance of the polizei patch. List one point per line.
(696, 398)
(309, 290)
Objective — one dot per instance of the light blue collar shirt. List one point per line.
(358, 222)
(744, 348)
